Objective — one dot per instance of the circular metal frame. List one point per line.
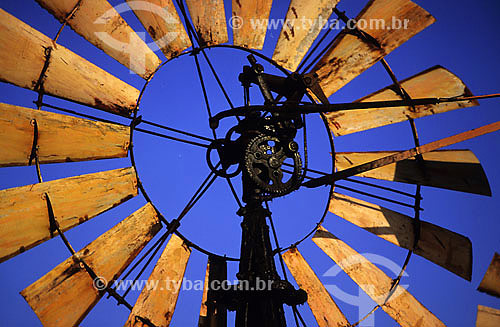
(143, 190)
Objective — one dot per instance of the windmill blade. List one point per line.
(209, 20)
(24, 217)
(402, 306)
(487, 317)
(403, 155)
(210, 314)
(457, 170)
(249, 22)
(160, 19)
(65, 295)
(100, 24)
(436, 82)
(302, 26)
(491, 280)
(349, 55)
(325, 310)
(61, 138)
(450, 250)
(156, 305)
(69, 76)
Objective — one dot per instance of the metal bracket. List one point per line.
(53, 224)
(34, 147)
(41, 79)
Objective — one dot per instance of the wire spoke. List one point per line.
(168, 137)
(357, 182)
(138, 129)
(233, 191)
(199, 193)
(177, 130)
(139, 274)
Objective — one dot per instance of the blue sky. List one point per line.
(464, 39)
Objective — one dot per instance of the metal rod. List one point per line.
(379, 186)
(199, 192)
(148, 262)
(177, 131)
(403, 155)
(137, 129)
(140, 260)
(363, 193)
(357, 182)
(171, 138)
(233, 191)
(316, 46)
(332, 107)
(65, 22)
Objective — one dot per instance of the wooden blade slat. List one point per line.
(69, 76)
(487, 317)
(324, 309)
(161, 20)
(209, 20)
(65, 295)
(450, 250)
(157, 304)
(298, 35)
(250, 18)
(436, 82)
(61, 138)
(24, 218)
(210, 314)
(99, 23)
(402, 306)
(491, 280)
(457, 170)
(349, 56)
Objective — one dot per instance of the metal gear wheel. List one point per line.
(264, 159)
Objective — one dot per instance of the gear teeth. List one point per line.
(271, 190)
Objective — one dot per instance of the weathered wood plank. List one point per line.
(210, 314)
(249, 22)
(402, 306)
(303, 23)
(324, 309)
(487, 317)
(457, 170)
(436, 82)
(24, 218)
(65, 295)
(157, 304)
(100, 24)
(160, 19)
(450, 250)
(69, 76)
(349, 56)
(61, 138)
(209, 20)
(491, 280)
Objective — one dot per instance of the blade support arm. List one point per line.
(325, 180)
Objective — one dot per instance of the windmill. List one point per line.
(266, 136)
